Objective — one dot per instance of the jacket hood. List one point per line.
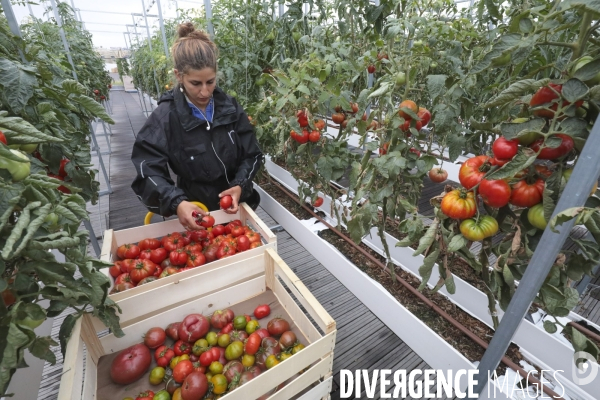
(166, 96)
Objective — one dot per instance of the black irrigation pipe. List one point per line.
(509, 363)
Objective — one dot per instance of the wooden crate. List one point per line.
(114, 239)
(205, 291)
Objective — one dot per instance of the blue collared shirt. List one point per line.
(199, 114)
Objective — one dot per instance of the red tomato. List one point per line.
(319, 124)
(155, 337)
(495, 193)
(232, 370)
(128, 251)
(243, 243)
(192, 247)
(145, 254)
(546, 95)
(207, 221)
(254, 237)
(409, 104)
(3, 138)
(125, 277)
(149, 244)
(504, 149)
(182, 370)
(438, 175)
(548, 153)
(148, 394)
(527, 195)
(472, 171)
(459, 204)
(262, 311)
(193, 327)
(237, 231)
(195, 386)
(142, 269)
(178, 257)
(130, 364)
(195, 259)
(302, 137)
(209, 356)
(318, 202)
(180, 347)
(226, 202)
(424, 115)
(371, 69)
(61, 169)
(314, 136)
(220, 318)
(173, 243)
(172, 330)
(199, 235)
(252, 344)
(225, 251)
(277, 326)
(163, 356)
(218, 230)
(415, 151)
(263, 332)
(498, 162)
(227, 328)
(338, 118)
(115, 270)
(210, 252)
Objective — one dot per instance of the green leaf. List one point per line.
(516, 90)
(524, 158)
(9, 197)
(573, 90)
(428, 238)
(17, 82)
(427, 267)
(93, 107)
(450, 285)
(514, 130)
(64, 334)
(73, 87)
(383, 89)
(436, 85)
(457, 242)
(303, 89)
(550, 326)
(40, 348)
(19, 131)
(456, 145)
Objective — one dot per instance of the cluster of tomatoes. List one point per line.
(307, 135)
(524, 190)
(423, 116)
(340, 116)
(204, 357)
(151, 258)
(98, 96)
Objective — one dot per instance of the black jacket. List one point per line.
(206, 162)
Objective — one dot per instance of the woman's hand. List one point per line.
(235, 193)
(185, 213)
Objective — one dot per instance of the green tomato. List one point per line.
(223, 341)
(400, 78)
(29, 148)
(18, 170)
(51, 219)
(474, 230)
(296, 36)
(433, 65)
(270, 36)
(211, 338)
(252, 326)
(162, 395)
(535, 216)
(30, 323)
(528, 138)
(233, 93)
(157, 375)
(260, 81)
(240, 322)
(234, 351)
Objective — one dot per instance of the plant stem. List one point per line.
(583, 33)
(485, 275)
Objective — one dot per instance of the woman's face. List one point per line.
(199, 85)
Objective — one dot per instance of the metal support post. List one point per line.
(162, 28)
(95, 245)
(74, 12)
(143, 69)
(587, 169)
(280, 10)
(150, 46)
(176, 10)
(96, 148)
(209, 25)
(63, 37)
(12, 22)
(106, 134)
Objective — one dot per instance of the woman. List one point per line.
(202, 133)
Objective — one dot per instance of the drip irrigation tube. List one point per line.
(424, 299)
